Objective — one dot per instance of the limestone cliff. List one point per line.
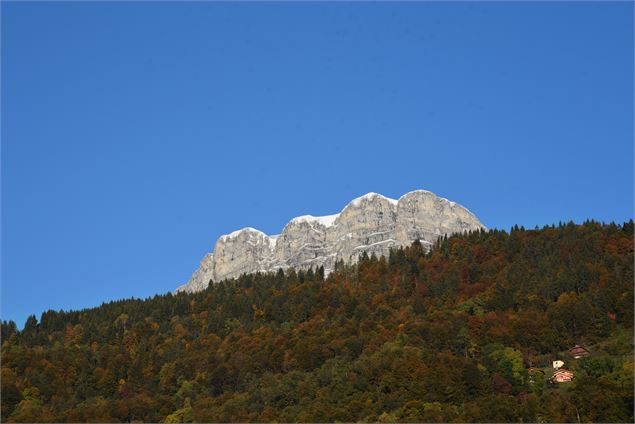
(370, 223)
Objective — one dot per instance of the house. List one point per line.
(562, 376)
(558, 364)
(578, 351)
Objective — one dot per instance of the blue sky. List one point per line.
(134, 134)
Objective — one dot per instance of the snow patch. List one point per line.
(366, 246)
(327, 220)
(369, 196)
(272, 241)
(237, 233)
(422, 241)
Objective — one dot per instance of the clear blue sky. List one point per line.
(134, 134)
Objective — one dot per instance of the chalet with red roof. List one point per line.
(578, 351)
(562, 376)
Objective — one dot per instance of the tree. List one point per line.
(10, 393)
(500, 385)
(509, 363)
(8, 329)
(29, 334)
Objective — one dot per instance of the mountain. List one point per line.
(371, 223)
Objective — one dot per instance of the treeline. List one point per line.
(440, 336)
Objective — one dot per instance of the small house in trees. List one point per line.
(562, 376)
(558, 364)
(578, 351)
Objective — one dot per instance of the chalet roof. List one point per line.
(577, 349)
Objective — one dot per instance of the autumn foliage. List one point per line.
(441, 336)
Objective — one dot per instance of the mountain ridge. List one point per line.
(372, 223)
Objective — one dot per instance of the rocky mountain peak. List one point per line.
(371, 223)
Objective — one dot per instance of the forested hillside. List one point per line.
(466, 332)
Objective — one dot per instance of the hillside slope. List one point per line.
(439, 336)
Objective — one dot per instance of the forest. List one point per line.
(465, 332)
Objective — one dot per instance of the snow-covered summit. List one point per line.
(369, 197)
(371, 223)
(238, 233)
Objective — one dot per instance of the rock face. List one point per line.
(371, 223)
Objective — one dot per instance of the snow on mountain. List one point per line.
(326, 220)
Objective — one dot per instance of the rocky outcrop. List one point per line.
(371, 223)
(202, 276)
